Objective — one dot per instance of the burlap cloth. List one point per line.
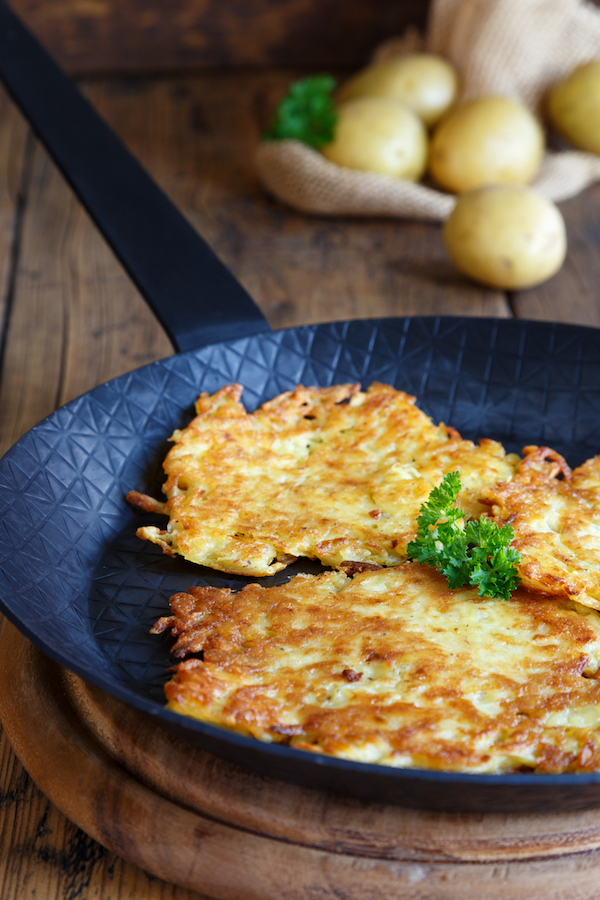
(514, 48)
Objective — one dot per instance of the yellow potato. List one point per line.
(487, 141)
(425, 82)
(574, 107)
(379, 136)
(506, 236)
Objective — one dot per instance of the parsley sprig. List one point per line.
(475, 552)
(306, 113)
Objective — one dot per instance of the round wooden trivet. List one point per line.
(210, 826)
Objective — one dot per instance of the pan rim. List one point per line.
(276, 751)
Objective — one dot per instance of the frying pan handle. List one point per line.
(194, 296)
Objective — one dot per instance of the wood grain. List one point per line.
(14, 157)
(76, 318)
(322, 846)
(573, 295)
(198, 136)
(91, 36)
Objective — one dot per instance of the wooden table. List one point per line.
(70, 319)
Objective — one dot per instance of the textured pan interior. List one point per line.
(77, 581)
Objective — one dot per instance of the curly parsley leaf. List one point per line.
(306, 113)
(475, 553)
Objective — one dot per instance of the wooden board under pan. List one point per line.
(207, 825)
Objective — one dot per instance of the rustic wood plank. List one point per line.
(152, 36)
(298, 268)
(573, 295)
(53, 340)
(18, 795)
(76, 318)
(42, 854)
(14, 153)
(91, 36)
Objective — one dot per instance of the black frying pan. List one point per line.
(76, 580)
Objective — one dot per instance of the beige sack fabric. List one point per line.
(514, 48)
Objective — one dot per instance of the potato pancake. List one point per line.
(555, 514)
(333, 474)
(392, 667)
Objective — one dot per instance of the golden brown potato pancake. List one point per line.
(392, 667)
(333, 474)
(555, 514)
